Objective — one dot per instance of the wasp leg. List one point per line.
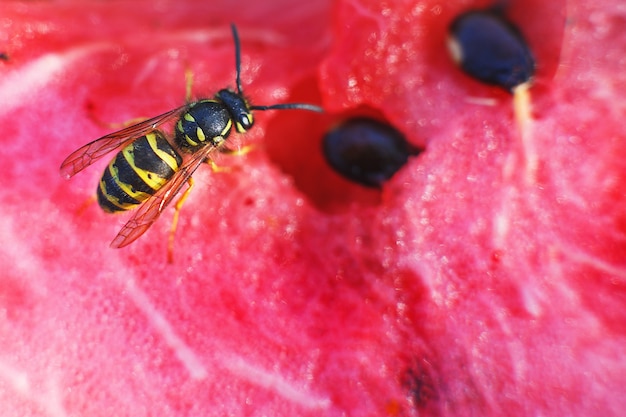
(237, 152)
(188, 83)
(88, 202)
(116, 125)
(121, 125)
(215, 167)
(227, 151)
(177, 207)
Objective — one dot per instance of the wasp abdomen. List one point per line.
(205, 122)
(138, 171)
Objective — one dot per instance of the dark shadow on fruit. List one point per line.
(294, 142)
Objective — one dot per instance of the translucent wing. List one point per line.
(151, 209)
(91, 152)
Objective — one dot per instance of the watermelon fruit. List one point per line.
(474, 283)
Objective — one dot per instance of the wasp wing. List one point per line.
(151, 209)
(91, 152)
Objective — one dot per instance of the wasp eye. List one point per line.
(245, 122)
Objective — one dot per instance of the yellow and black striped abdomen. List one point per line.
(138, 171)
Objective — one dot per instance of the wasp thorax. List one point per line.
(205, 121)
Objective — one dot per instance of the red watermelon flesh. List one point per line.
(474, 284)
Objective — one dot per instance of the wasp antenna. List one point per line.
(237, 56)
(290, 106)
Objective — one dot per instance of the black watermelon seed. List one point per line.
(419, 382)
(491, 49)
(366, 151)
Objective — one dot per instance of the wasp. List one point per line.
(154, 163)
